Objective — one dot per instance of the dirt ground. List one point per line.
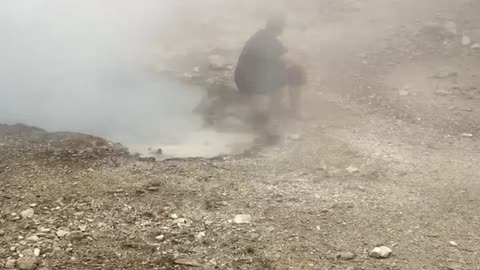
(388, 155)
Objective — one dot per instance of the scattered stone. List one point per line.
(29, 213)
(403, 93)
(242, 219)
(188, 75)
(153, 188)
(208, 222)
(82, 227)
(200, 235)
(476, 46)
(90, 170)
(44, 230)
(36, 252)
(27, 263)
(2, 232)
(217, 62)
(62, 233)
(380, 252)
(181, 222)
(75, 236)
(467, 135)
(28, 252)
(77, 214)
(352, 169)
(33, 205)
(174, 216)
(453, 244)
(187, 262)
(10, 264)
(454, 266)
(466, 41)
(33, 238)
(160, 237)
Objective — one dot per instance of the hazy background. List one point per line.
(83, 66)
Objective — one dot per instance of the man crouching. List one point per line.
(263, 72)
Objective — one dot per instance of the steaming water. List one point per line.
(142, 112)
(81, 66)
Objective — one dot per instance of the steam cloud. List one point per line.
(81, 65)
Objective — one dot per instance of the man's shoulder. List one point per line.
(262, 39)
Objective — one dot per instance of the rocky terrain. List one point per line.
(381, 174)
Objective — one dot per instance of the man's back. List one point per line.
(260, 68)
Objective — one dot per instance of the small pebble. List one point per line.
(62, 233)
(352, 169)
(242, 219)
(29, 213)
(380, 252)
(33, 238)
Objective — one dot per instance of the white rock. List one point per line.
(467, 135)
(200, 235)
(196, 69)
(62, 233)
(29, 213)
(82, 227)
(182, 222)
(160, 237)
(380, 252)
(216, 62)
(33, 238)
(242, 219)
(453, 243)
(352, 169)
(44, 230)
(466, 41)
(476, 46)
(36, 252)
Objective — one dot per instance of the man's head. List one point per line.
(276, 23)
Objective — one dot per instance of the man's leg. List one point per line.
(295, 97)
